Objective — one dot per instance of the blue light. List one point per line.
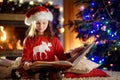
(97, 25)
(92, 59)
(93, 4)
(103, 60)
(108, 31)
(103, 18)
(112, 35)
(86, 16)
(100, 62)
(115, 33)
(91, 31)
(95, 59)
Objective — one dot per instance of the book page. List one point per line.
(53, 64)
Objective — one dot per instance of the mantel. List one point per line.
(12, 17)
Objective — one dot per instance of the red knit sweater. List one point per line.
(41, 49)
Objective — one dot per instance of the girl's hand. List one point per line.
(26, 65)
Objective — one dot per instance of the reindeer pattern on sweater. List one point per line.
(42, 49)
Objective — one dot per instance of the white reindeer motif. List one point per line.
(41, 49)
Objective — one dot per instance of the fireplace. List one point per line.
(12, 34)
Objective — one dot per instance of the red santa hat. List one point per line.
(38, 13)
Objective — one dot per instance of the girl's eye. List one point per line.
(37, 23)
(44, 23)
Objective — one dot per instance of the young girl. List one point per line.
(40, 43)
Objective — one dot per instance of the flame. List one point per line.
(1, 47)
(18, 45)
(3, 37)
(10, 46)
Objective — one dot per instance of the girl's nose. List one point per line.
(40, 25)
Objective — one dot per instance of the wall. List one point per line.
(70, 11)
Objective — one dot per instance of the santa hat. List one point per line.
(38, 13)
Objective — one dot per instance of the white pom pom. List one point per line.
(28, 21)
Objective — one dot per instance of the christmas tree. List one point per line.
(100, 20)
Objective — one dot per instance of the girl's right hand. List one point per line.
(26, 65)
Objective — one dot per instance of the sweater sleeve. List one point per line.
(59, 51)
(27, 50)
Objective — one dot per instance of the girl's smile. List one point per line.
(41, 26)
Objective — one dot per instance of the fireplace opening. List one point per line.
(11, 39)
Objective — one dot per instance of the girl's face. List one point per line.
(41, 26)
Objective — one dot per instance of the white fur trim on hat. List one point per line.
(38, 16)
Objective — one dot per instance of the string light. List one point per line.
(82, 8)
(61, 30)
(10, 0)
(111, 65)
(31, 2)
(109, 2)
(100, 62)
(61, 9)
(92, 59)
(40, 0)
(62, 20)
(115, 48)
(93, 4)
(50, 2)
(20, 1)
(1, 0)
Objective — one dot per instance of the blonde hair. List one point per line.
(32, 32)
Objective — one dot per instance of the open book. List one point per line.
(62, 64)
(52, 64)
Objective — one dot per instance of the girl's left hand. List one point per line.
(26, 65)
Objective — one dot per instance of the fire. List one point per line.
(3, 36)
(18, 45)
(9, 43)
